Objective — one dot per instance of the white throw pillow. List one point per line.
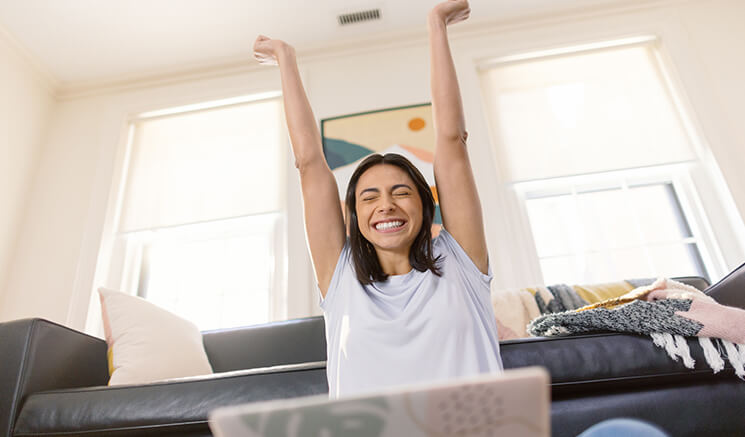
(147, 343)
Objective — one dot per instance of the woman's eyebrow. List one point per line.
(377, 191)
(374, 190)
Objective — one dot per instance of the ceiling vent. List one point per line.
(359, 17)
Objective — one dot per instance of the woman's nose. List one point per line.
(386, 205)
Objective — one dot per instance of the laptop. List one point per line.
(515, 403)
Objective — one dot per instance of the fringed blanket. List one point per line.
(667, 311)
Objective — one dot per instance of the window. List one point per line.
(588, 230)
(202, 225)
(595, 148)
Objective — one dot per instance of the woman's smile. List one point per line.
(390, 225)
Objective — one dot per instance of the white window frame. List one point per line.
(273, 222)
(676, 174)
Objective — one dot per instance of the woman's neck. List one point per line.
(394, 263)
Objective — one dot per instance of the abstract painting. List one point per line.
(407, 130)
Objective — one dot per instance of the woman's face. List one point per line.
(389, 208)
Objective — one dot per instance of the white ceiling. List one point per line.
(79, 41)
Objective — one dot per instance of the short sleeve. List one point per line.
(336, 278)
(448, 245)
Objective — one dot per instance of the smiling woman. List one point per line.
(390, 209)
(400, 307)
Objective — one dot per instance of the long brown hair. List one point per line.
(364, 256)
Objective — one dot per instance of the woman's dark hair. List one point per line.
(366, 263)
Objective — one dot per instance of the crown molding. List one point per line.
(306, 54)
(162, 77)
(40, 73)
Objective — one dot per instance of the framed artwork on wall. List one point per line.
(406, 130)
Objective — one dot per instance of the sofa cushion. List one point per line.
(178, 407)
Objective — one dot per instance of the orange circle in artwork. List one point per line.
(416, 124)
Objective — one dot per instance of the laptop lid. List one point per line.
(516, 403)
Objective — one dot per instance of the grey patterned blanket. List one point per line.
(667, 311)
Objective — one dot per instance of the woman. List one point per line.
(399, 307)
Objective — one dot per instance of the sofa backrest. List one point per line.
(289, 342)
(695, 281)
(730, 291)
(271, 344)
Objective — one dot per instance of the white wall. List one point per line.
(25, 105)
(73, 196)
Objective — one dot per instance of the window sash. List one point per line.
(693, 237)
(181, 241)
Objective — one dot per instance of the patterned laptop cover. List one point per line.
(513, 404)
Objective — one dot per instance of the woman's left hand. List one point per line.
(451, 11)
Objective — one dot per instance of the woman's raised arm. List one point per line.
(324, 223)
(456, 187)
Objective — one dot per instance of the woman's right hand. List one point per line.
(267, 51)
(451, 11)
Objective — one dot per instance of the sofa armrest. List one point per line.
(39, 355)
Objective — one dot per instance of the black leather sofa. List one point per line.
(53, 379)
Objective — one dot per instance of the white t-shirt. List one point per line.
(412, 328)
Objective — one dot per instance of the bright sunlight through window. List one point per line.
(202, 216)
(622, 232)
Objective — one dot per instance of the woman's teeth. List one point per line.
(388, 225)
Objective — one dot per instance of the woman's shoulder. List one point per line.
(443, 242)
(451, 252)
